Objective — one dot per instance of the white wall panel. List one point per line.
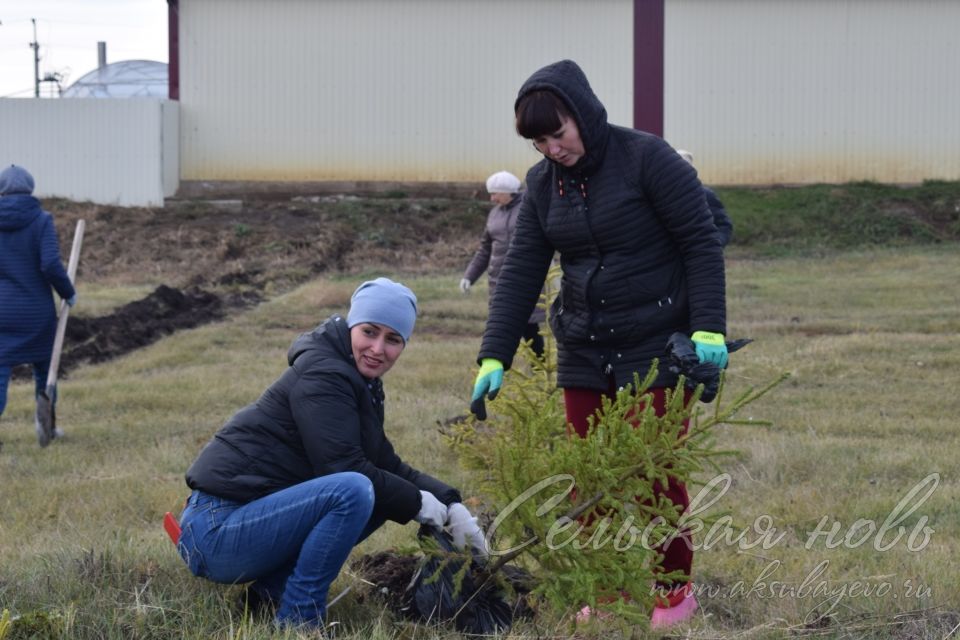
(419, 90)
(170, 147)
(98, 150)
(803, 91)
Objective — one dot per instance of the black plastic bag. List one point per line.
(682, 358)
(485, 611)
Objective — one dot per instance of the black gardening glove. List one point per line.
(682, 359)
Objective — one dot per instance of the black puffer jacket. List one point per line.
(320, 417)
(640, 255)
(720, 217)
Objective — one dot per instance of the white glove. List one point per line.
(432, 511)
(464, 529)
(464, 285)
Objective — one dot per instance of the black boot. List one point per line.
(257, 604)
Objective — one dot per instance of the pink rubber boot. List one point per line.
(677, 607)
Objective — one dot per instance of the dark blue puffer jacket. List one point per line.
(29, 266)
(319, 417)
(640, 254)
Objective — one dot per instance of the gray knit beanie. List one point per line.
(15, 179)
(383, 301)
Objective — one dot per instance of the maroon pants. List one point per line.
(580, 404)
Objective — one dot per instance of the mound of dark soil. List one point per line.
(211, 259)
(390, 575)
(391, 578)
(143, 322)
(268, 245)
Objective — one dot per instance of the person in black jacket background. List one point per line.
(290, 484)
(720, 218)
(641, 258)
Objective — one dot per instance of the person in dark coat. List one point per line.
(30, 269)
(640, 255)
(720, 218)
(291, 483)
(505, 193)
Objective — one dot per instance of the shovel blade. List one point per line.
(46, 418)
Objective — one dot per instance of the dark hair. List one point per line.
(540, 113)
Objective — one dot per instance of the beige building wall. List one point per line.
(803, 91)
(761, 91)
(381, 90)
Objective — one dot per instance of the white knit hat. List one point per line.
(503, 182)
(686, 155)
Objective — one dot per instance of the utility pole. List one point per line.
(36, 60)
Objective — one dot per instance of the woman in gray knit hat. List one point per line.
(292, 482)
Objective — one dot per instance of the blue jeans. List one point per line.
(40, 370)
(292, 542)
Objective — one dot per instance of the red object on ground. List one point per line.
(172, 527)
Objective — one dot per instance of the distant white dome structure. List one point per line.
(124, 79)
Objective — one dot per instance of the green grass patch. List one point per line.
(868, 414)
(783, 221)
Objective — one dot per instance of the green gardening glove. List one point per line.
(487, 384)
(711, 347)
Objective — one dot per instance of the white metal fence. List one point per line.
(123, 152)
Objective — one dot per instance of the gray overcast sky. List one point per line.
(68, 32)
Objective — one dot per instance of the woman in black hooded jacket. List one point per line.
(292, 482)
(640, 258)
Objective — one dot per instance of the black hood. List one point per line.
(567, 80)
(329, 340)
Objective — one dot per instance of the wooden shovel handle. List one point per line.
(64, 307)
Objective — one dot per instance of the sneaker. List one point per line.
(677, 607)
(255, 603)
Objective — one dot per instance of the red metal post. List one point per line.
(648, 26)
(173, 39)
